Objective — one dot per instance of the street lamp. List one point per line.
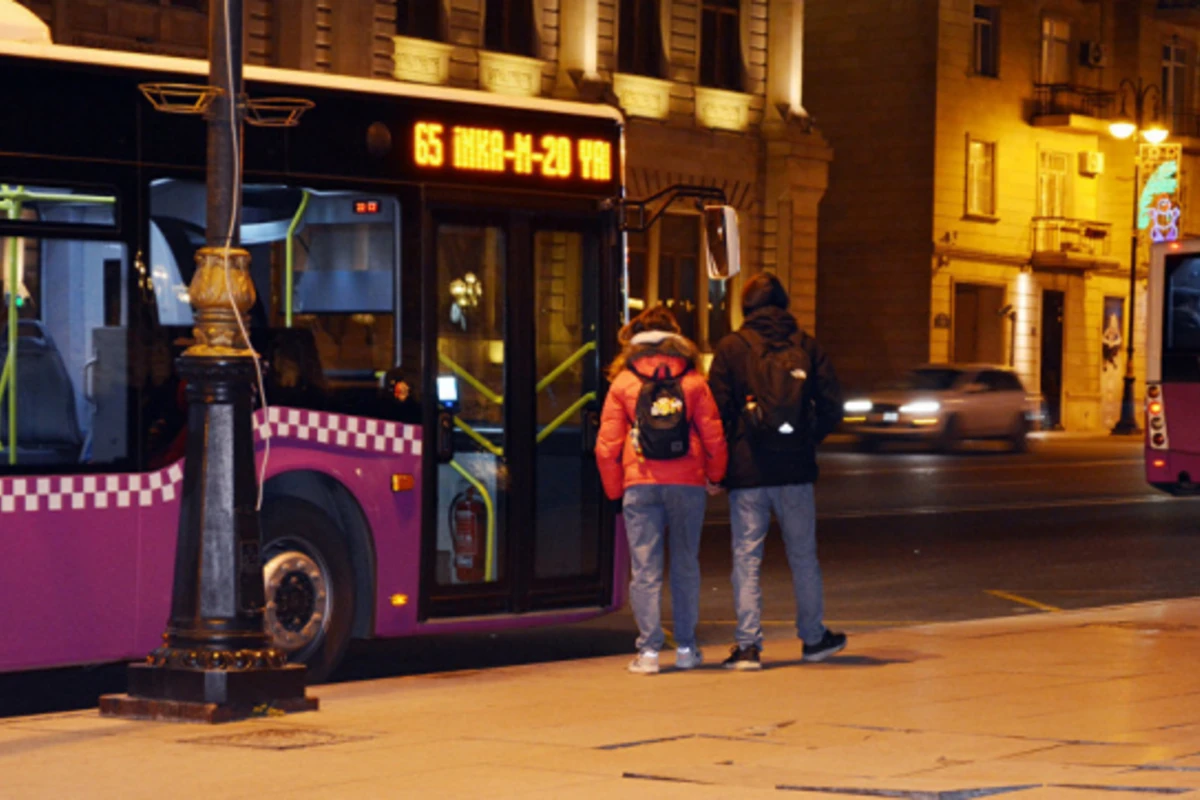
(1125, 127)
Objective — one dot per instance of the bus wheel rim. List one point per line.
(297, 608)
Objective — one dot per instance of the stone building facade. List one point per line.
(711, 90)
(979, 208)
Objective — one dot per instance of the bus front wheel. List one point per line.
(309, 587)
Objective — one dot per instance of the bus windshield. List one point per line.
(1181, 332)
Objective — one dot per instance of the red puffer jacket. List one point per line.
(619, 463)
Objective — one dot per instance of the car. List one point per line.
(943, 404)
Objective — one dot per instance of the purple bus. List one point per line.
(439, 280)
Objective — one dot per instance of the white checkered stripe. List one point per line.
(81, 492)
(339, 430)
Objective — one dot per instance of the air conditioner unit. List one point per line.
(1091, 162)
(1093, 54)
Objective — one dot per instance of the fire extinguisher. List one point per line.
(467, 516)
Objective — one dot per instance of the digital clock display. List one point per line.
(465, 148)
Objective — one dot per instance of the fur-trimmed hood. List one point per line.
(660, 343)
(663, 347)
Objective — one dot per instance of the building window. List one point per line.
(1055, 66)
(1054, 174)
(720, 45)
(508, 26)
(639, 47)
(1174, 72)
(981, 178)
(418, 19)
(987, 40)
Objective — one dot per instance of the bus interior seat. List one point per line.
(47, 425)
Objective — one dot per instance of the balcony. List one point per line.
(1074, 243)
(1072, 109)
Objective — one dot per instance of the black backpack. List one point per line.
(662, 430)
(776, 411)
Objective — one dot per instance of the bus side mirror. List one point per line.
(724, 242)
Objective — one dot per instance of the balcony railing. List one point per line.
(1071, 237)
(1064, 98)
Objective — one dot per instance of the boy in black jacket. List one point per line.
(779, 398)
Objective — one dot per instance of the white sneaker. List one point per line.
(688, 658)
(646, 663)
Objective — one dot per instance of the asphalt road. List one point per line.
(905, 538)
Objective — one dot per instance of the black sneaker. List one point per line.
(830, 643)
(743, 658)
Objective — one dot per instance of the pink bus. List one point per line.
(438, 276)
(1173, 367)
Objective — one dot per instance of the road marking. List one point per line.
(954, 467)
(1008, 506)
(1025, 601)
(1014, 505)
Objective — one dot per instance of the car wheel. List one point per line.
(1018, 439)
(951, 436)
(309, 585)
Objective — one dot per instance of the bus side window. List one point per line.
(70, 365)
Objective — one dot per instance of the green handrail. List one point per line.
(479, 438)
(289, 263)
(558, 421)
(20, 195)
(14, 289)
(478, 385)
(566, 365)
(489, 564)
(4, 380)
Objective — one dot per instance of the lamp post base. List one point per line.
(165, 691)
(1127, 424)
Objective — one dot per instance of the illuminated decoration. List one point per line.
(495, 150)
(1164, 220)
(1158, 202)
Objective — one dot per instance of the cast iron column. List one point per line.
(216, 663)
(1127, 424)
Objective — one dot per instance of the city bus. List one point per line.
(1173, 367)
(438, 276)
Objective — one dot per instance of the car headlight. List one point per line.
(921, 407)
(858, 406)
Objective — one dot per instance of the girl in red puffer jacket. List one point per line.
(658, 368)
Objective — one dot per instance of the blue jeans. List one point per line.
(750, 515)
(648, 510)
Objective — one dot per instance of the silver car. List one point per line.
(942, 404)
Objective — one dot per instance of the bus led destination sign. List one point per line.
(473, 149)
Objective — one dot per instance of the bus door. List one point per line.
(516, 509)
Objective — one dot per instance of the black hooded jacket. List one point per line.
(749, 468)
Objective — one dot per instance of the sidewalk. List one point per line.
(1093, 704)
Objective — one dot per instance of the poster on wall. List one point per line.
(1112, 359)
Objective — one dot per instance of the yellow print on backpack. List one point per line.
(666, 406)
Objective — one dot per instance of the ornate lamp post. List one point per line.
(216, 663)
(1125, 127)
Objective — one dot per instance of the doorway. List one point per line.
(978, 324)
(1053, 304)
(515, 510)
